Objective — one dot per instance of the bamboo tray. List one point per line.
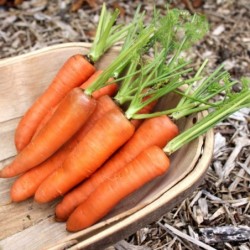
(28, 225)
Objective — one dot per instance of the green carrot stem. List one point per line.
(198, 73)
(209, 121)
(135, 28)
(103, 31)
(192, 106)
(128, 86)
(124, 56)
(186, 110)
(203, 87)
(107, 34)
(137, 104)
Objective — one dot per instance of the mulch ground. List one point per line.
(216, 215)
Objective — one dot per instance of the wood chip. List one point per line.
(223, 196)
(225, 234)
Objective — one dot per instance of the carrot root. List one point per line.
(72, 113)
(106, 136)
(74, 72)
(145, 167)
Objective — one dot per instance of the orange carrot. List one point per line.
(146, 166)
(26, 185)
(91, 79)
(109, 89)
(106, 136)
(145, 110)
(74, 72)
(72, 113)
(154, 131)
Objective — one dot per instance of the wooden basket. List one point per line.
(28, 225)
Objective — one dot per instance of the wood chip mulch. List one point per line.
(217, 214)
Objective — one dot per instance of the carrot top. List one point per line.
(163, 34)
(107, 33)
(158, 83)
(175, 33)
(231, 103)
(122, 59)
(197, 96)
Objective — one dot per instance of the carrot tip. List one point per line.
(4, 173)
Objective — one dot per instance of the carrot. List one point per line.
(91, 79)
(145, 110)
(155, 131)
(72, 113)
(109, 89)
(108, 134)
(76, 70)
(146, 166)
(69, 76)
(26, 185)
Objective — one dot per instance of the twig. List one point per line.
(185, 236)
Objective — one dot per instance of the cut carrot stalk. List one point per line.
(154, 131)
(26, 185)
(76, 70)
(146, 166)
(109, 133)
(72, 113)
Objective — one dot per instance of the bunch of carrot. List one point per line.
(97, 143)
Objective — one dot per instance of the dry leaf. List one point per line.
(77, 4)
(90, 33)
(192, 3)
(11, 3)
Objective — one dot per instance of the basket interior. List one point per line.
(24, 78)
